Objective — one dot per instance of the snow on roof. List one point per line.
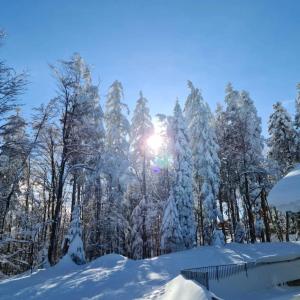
(285, 195)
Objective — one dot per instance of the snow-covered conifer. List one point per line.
(117, 134)
(226, 124)
(206, 163)
(183, 179)
(116, 165)
(297, 124)
(140, 155)
(74, 238)
(282, 138)
(171, 237)
(297, 107)
(141, 130)
(249, 157)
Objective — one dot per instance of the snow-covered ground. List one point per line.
(180, 288)
(285, 195)
(116, 277)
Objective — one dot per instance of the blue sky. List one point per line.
(157, 45)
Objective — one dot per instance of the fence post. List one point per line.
(246, 270)
(206, 281)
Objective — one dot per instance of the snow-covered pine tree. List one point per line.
(116, 165)
(74, 245)
(140, 156)
(171, 237)
(206, 163)
(141, 130)
(239, 134)
(225, 168)
(297, 108)
(90, 182)
(226, 131)
(297, 123)
(183, 179)
(249, 158)
(163, 167)
(282, 138)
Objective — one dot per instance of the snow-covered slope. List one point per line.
(116, 277)
(285, 195)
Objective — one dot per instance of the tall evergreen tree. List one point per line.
(282, 138)
(140, 155)
(92, 187)
(206, 163)
(297, 107)
(239, 134)
(183, 179)
(141, 130)
(297, 123)
(117, 163)
(249, 157)
(227, 126)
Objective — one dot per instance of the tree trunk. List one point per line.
(249, 211)
(73, 193)
(264, 208)
(222, 213)
(287, 234)
(52, 252)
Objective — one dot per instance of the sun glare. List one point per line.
(154, 142)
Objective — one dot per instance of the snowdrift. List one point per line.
(116, 277)
(180, 288)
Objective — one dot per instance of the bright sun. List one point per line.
(154, 142)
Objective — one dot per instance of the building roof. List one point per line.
(285, 195)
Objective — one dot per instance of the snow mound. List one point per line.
(285, 195)
(117, 277)
(180, 288)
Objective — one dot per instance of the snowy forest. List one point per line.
(85, 177)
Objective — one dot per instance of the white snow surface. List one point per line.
(285, 195)
(116, 277)
(180, 288)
